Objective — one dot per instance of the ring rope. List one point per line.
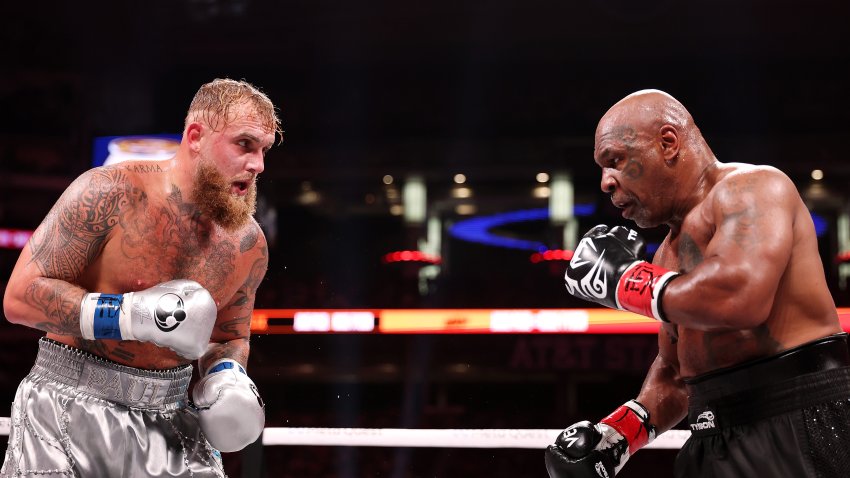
(430, 438)
(437, 438)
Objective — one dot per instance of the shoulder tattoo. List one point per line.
(74, 231)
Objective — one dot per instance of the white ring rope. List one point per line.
(430, 438)
(437, 438)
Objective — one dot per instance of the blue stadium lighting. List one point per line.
(477, 229)
(821, 225)
(584, 210)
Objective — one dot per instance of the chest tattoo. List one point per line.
(168, 237)
(689, 253)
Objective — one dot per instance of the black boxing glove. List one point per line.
(606, 268)
(585, 450)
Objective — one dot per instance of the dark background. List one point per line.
(496, 90)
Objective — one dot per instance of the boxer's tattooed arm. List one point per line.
(241, 306)
(59, 301)
(246, 294)
(68, 240)
(234, 326)
(75, 230)
(236, 349)
(243, 301)
(258, 271)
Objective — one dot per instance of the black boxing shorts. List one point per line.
(782, 416)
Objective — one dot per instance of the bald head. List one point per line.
(651, 154)
(651, 114)
(648, 109)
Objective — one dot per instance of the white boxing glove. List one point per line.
(230, 409)
(178, 314)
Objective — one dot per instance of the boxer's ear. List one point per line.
(669, 141)
(193, 134)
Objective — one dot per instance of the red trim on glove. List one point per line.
(640, 288)
(630, 425)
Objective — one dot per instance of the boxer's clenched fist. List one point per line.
(230, 409)
(177, 314)
(585, 450)
(607, 268)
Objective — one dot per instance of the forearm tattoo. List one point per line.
(59, 301)
(236, 349)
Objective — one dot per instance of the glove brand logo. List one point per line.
(705, 421)
(570, 437)
(257, 394)
(594, 283)
(640, 279)
(169, 312)
(600, 469)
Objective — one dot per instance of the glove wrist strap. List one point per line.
(225, 364)
(100, 316)
(631, 420)
(640, 288)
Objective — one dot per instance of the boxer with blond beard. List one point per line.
(138, 270)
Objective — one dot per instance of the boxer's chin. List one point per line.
(213, 196)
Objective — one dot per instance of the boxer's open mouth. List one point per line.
(239, 187)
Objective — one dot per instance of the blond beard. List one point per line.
(213, 197)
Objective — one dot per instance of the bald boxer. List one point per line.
(138, 270)
(750, 348)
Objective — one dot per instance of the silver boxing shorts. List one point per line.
(79, 415)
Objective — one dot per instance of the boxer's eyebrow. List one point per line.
(257, 140)
(249, 136)
(604, 154)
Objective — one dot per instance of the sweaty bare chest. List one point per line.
(155, 249)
